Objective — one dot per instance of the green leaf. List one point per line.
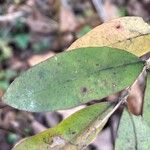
(6, 51)
(9, 74)
(84, 30)
(133, 133)
(72, 78)
(146, 109)
(74, 133)
(4, 84)
(22, 40)
(41, 45)
(122, 11)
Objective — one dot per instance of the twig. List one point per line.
(2, 105)
(36, 126)
(6, 129)
(65, 4)
(100, 9)
(13, 16)
(147, 65)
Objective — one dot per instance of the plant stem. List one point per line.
(148, 64)
(12, 16)
(99, 6)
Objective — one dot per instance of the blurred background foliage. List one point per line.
(34, 30)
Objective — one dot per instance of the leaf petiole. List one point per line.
(148, 64)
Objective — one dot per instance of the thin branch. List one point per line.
(65, 4)
(100, 9)
(12, 16)
(147, 65)
(2, 105)
(6, 129)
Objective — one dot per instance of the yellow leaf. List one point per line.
(129, 33)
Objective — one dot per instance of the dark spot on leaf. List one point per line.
(58, 63)
(114, 73)
(73, 132)
(84, 90)
(47, 140)
(118, 26)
